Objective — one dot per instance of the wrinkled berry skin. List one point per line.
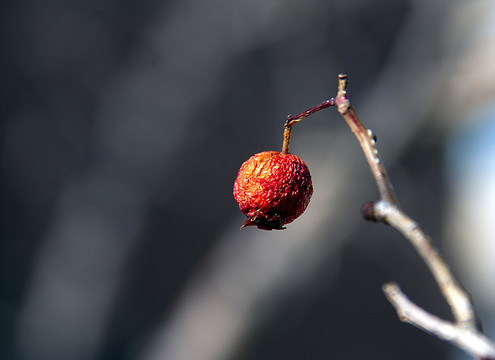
(273, 189)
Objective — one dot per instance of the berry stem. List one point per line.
(292, 119)
(285, 144)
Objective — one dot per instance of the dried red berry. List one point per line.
(273, 189)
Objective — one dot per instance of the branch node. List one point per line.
(369, 214)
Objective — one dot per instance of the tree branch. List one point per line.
(466, 339)
(367, 141)
(463, 333)
(455, 296)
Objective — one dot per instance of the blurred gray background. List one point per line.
(124, 124)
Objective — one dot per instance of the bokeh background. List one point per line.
(123, 125)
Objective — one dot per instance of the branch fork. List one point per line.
(463, 332)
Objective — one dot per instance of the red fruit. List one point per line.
(273, 189)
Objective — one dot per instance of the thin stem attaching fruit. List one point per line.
(293, 119)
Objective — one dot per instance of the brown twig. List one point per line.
(367, 140)
(467, 339)
(463, 333)
(458, 300)
(293, 119)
